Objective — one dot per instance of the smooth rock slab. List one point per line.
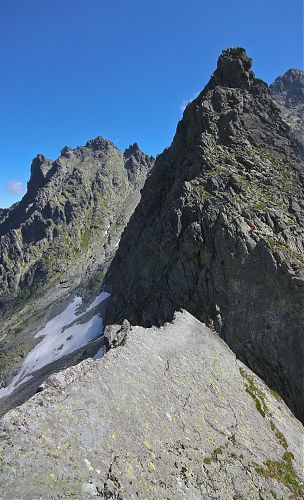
(172, 414)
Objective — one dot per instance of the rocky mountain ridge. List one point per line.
(82, 199)
(170, 412)
(219, 229)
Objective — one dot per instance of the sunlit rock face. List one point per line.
(58, 241)
(219, 229)
(70, 218)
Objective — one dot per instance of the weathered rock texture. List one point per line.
(288, 92)
(219, 229)
(61, 235)
(171, 414)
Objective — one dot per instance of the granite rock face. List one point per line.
(288, 92)
(171, 414)
(219, 229)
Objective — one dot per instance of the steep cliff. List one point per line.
(219, 230)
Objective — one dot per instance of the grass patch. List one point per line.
(84, 240)
(282, 471)
(257, 395)
(260, 206)
(20, 326)
(276, 395)
(280, 437)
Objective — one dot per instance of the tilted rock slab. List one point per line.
(172, 414)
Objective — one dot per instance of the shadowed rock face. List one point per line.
(219, 229)
(73, 213)
(288, 92)
(171, 414)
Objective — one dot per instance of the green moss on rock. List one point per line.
(84, 241)
(255, 392)
(282, 471)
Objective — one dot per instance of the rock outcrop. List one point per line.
(171, 414)
(219, 229)
(288, 92)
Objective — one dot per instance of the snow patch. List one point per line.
(62, 335)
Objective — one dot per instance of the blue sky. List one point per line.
(75, 69)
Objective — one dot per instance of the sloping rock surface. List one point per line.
(171, 414)
(288, 92)
(219, 230)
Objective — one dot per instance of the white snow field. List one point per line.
(62, 335)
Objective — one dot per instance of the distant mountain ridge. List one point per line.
(70, 217)
(60, 238)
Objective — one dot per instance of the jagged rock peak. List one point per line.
(40, 168)
(99, 143)
(134, 159)
(132, 150)
(291, 74)
(233, 69)
(294, 72)
(66, 151)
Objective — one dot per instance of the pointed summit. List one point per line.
(132, 150)
(233, 70)
(40, 170)
(99, 144)
(289, 88)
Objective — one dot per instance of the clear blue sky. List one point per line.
(75, 69)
